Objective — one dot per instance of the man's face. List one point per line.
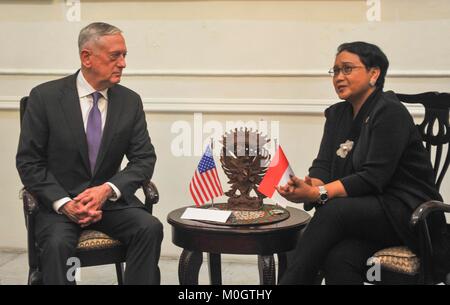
(106, 60)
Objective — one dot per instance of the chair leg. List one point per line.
(120, 273)
(34, 277)
(319, 278)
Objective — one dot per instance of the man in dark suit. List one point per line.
(74, 135)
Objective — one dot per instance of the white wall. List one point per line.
(231, 60)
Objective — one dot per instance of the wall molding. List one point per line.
(215, 105)
(224, 73)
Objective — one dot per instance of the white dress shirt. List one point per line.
(85, 91)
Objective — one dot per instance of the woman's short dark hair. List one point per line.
(370, 55)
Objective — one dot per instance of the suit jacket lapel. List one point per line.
(70, 104)
(112, 118)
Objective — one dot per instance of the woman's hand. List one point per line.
(298, 190)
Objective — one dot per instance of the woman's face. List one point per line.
(355, 85)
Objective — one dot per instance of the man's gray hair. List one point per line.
(94, 31)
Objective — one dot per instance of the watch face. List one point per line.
(323, 197)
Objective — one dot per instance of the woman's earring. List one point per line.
(372, 84)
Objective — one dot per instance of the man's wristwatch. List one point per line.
(113, 194)
(323, 195)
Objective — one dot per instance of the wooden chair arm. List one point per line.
(151, 194)
(420, 225)
(30, 203)
(30, 209)
(423, 210)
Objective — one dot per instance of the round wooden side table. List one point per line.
(196, 237)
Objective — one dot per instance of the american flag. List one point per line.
(205, 185)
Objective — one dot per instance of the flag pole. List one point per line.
(276, 149)
(212, 153)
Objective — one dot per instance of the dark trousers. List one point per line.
(340, 238)
(142, 233)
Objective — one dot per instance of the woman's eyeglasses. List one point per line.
(346, 70)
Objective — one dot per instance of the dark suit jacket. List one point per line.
(52, 157)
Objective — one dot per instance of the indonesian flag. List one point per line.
(277, 174)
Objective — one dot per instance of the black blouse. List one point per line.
(388, 159)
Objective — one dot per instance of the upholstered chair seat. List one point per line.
(398, 259)
(91, 239)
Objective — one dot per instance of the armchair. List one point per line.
(399, 265)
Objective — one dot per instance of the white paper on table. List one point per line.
(205, 214)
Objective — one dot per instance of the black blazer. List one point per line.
(52, 157)
(389, 161)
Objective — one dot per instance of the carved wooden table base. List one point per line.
(190, 263)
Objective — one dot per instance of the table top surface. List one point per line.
(298, 218)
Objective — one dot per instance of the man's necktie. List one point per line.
(94, 130)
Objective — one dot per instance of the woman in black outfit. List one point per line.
(370, 174)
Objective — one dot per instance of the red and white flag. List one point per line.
(205, 185)
(277, 174)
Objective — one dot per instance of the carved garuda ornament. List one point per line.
(244, 160)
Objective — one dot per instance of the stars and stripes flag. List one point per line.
(205, 185)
